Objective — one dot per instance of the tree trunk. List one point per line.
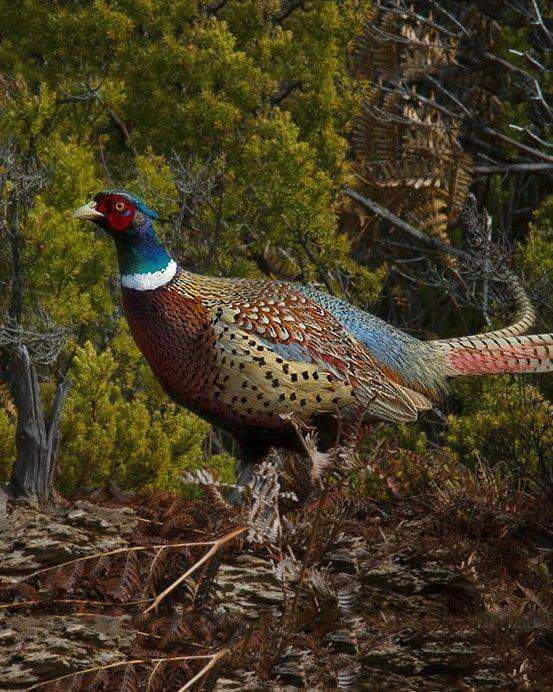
(33, 472)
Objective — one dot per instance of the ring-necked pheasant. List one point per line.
(242, 353)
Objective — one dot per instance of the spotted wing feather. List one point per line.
(284, 318)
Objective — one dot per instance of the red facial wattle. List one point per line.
(118, 211)
(120, 221)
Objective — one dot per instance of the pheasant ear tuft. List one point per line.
(145, 209)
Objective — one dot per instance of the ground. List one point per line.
(443, 590)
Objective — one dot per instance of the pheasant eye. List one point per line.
(119, 206)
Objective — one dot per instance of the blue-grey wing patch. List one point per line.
(411, 359)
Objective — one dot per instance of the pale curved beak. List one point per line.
(88, 212)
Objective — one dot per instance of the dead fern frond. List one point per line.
(262, 513)
(65, 579)
(128, 680)
(215, 545)
(125, 582)
(204, 479)
(406, 138)
(155, 573)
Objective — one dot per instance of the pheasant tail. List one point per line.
(473, 355)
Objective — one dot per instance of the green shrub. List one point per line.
(7, 445)
(137, 439)
(503, 421)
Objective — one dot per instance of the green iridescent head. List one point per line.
(128, 220)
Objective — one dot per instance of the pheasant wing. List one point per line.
(302, 346)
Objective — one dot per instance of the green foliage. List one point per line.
(536, 257)
(138, 441)
(7, 445)
(538, 250)
(505, 422)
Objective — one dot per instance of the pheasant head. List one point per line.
(143, 261)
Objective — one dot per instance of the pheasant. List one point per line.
(249, 355)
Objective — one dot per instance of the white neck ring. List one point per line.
(148, 281)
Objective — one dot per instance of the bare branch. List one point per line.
(403, 11)
(532, 135)
(508, 65)
(44, 339)
(533, 62)
(517, 145)
(517, 70)
(438, 6)
(284, 91)
(287, 7)
(513, 168)
(91, 94)
(214, 7)
(539, 21)
(430, 241)
(31, 470)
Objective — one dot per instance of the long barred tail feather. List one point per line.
(475, 355)
(524, 318)
(503, 350)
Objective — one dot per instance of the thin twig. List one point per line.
(403, 11)
(215, 547)
(118, 551)
(402, 91)
(539, 21)
(514, 168)
(457, 23)
(529, 59)
(151, 570)
(118, 664)
(152, 675)
(204, 670)
(518, 145)
(72, 601)
(441, 88)
(533, 136)
(506, 64)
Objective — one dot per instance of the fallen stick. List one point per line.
(204, 670)
(215, 547)
(136, 662)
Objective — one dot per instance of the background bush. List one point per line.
(234, 127)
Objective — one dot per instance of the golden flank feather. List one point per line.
(261, 382)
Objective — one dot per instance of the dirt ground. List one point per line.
(332, 590)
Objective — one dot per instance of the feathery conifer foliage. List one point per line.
(232, 120)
